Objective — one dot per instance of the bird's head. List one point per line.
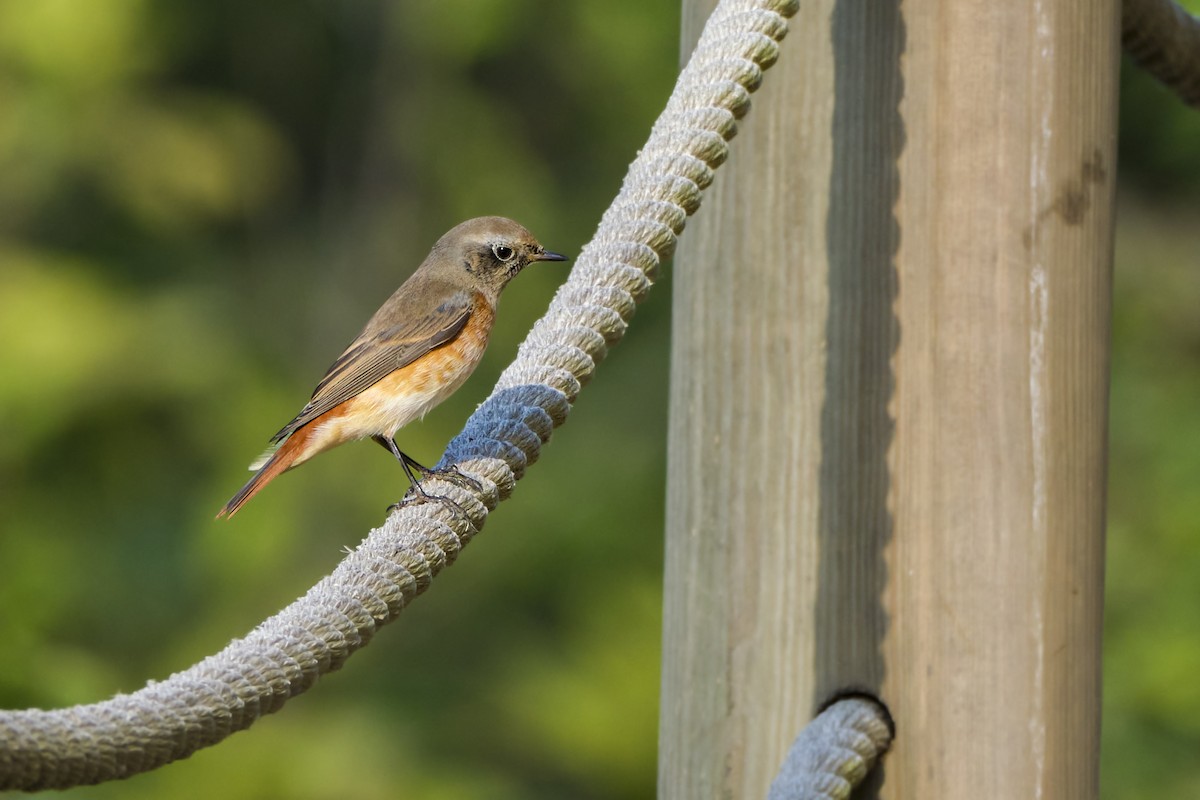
(489, 252)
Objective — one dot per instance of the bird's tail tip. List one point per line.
(274, 464)
(239, 499)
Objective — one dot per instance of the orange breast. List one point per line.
(408, 393)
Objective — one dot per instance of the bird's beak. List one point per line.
(550, 255)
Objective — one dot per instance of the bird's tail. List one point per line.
(276, 464)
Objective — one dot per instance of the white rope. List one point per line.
(834, 752)
(285, 655)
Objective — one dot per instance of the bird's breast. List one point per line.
(410, 392)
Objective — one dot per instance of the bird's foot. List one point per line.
(416, 495)
(454, 475)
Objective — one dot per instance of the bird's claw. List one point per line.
(416, 495)
(454, 475)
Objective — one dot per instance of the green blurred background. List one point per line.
(200, 203)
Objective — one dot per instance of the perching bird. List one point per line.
(415, 352)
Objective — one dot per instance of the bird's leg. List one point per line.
(409, 463)
(451, 473)
(390, 444)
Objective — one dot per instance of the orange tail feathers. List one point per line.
(281, 461)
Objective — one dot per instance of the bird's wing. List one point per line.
(377, 353)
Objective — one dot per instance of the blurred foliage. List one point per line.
(202, 202)
(1151, 715)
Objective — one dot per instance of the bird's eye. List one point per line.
(502, 251)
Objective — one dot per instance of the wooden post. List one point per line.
(889, 399)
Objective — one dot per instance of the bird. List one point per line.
(416, 351)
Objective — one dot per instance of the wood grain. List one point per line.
(889, 403)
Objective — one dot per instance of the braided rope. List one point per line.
(1164, 39)
(287, 653)
(834, 752)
